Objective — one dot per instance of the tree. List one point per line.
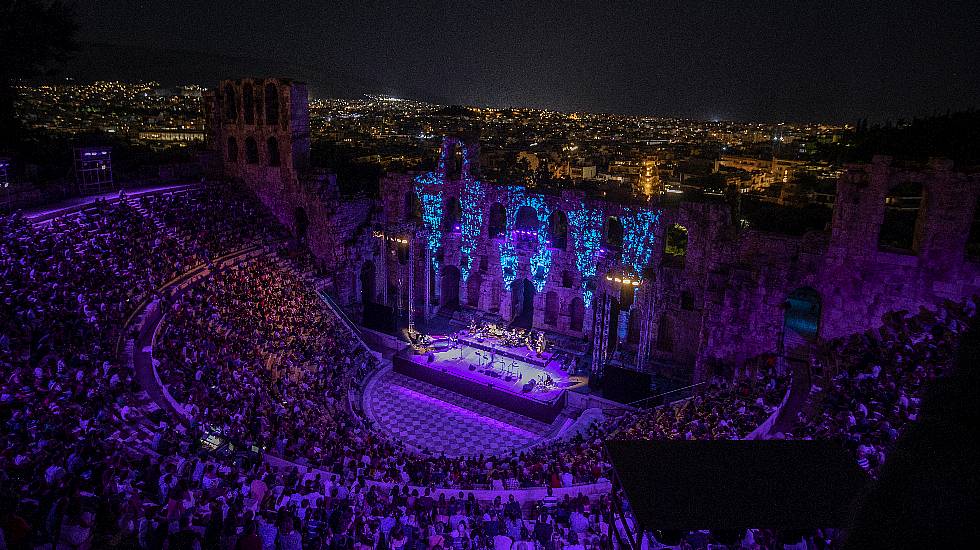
(34, 36)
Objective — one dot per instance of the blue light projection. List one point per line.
(508, 263)
(639, 233)
(585, 227)
(428, 188)
(471, 223)
(540, 261)
(447, 154)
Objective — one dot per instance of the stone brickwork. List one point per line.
(277, 169)
(434, 239)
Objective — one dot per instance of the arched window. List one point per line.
(551, 308)
(248, 103)
(802, 312)
(231, 103)
(527, 219)
(675, 246)
(413, 208)
(271, 104)
(451, 214)
(902, 205)
(576, 314)
(558, 229)
(566, 279)
(232, 149)
(614, 234)
(251, 151)
(498, 220)
(272, 144)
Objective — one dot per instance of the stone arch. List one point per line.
(802, 313)
(367, 280)
(450, 287)
(558, 230)
(576, 314)
(248, 103)
(413, 208)
(271, 104)
(551, 307)
(272, 147)
(473, 288)
(455, 161)
(251, 151)
(301, 223)
(231, 103)
(614, 233)
(451, 213)
(497, 224)
(232, 149)
(527, 219)
(522, 303)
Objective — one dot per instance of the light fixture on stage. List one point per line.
(624, 276)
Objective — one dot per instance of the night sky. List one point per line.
(733, 60)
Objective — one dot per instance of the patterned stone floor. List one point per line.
(430, 418)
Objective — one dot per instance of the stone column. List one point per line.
(438, 284)
(599, 330)
(646, 322)
(428, 282)
(384, 269)
(411, 283)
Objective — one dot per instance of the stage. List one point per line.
(466, 370)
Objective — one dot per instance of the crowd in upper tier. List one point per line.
(881, 379)
(88, 460)
(726, 409)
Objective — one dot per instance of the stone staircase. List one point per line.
(137, 204)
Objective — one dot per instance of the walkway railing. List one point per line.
(762, 430)
(645, 400)
(340, 314)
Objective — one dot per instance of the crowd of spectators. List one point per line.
(87, 460)
(880, 379)
(726, 409)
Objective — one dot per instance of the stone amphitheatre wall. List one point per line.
(723, 300)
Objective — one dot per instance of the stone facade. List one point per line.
(266, 148)
(446, 240)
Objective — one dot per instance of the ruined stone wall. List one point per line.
(723, 301)
(277, 170)
(858, 281)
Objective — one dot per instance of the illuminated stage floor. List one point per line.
(438, 420)
(459, 360)
(506, 382)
